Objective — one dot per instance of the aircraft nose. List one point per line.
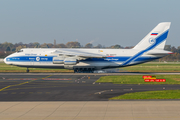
(8, 60)
(5, 60)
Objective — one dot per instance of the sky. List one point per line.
(106, 22)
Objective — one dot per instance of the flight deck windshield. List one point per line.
(20, 51)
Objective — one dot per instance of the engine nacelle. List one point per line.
(70, 61)
(58, 60)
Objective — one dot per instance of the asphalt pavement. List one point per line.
(67, 87)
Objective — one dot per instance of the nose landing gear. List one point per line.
(27, 70)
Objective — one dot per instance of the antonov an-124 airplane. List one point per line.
(151, 47)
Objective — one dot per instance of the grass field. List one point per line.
(137, 79)
(165, 94)
(146, 67)
(154, 67)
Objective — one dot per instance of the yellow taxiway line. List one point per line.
(22, 83)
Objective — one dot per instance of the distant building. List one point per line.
(54, 42)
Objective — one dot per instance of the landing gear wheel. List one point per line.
(86, 70)
(75, 70)
(27, 70)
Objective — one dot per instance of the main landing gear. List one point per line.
(84, 70)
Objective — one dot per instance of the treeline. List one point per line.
(17, 46)
(172, 57)
(8, 48)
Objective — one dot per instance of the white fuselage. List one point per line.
(43, 58)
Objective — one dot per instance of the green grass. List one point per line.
(165, 94)
(137, 79)
(11, 68)
(154, 67)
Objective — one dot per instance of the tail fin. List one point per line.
(156, 39)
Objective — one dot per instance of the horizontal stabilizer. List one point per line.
(158, 52)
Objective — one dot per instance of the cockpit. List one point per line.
(20, 51)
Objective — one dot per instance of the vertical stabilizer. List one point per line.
(156, 39)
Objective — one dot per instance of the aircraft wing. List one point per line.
(78, 53)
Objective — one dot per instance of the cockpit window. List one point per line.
(20, 51)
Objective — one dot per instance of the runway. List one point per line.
(91, 110)
(65, 87)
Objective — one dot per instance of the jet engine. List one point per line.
(70, 61)
(58, 60)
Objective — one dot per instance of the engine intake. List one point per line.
(58, 60)
(70, 61)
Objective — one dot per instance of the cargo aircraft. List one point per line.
(151, 47)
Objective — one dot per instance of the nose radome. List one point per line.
(5, 60)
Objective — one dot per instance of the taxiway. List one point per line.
(65, 87)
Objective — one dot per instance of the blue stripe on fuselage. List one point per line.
(50, 59)
(30, 58)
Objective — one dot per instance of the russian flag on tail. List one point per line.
(154, 33)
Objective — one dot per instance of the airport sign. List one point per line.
(152, 79)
